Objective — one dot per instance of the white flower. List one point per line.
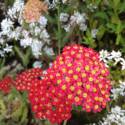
(8, 48)
(32, 25)
(6, 26)
(25, 33)
(119, 91)
(36, 48)
(67, 28)
(16, 11)
(94, 32)
(83, 27)
(2, 53)
(80, 18)
(64, 17)
(26, 42)
(37, 31)
(2, 40)
(123, 63)
(49, 51)
(103, 56)
(115, 54)
(37, 64)
(92, 7)
(16, 34)
(45, 36)
(116, 116)
(43, 21)
(64, 1)
(76, 19)
(52, 4)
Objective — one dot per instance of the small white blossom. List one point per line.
(49, 51)
(77, 19)
(2, 53)
(103, 56)
(119, 91)
(37, 31)
(94, 33)
(52, 4)
(1, 41)
(114, 56)
(92, 7)
(43, 21)
(26, 42)
(16, 10)
(123, 63)
(83, 27)
(6, 26)
(64, 1)
(116, 116)
(36, 48)
(64, 17)
(37, 64)
(8, 48)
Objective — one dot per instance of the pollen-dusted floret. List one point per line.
(5, 84)
(25, 79)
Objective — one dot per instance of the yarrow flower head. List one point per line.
(47, 103)
(5, 84)
(25, 79)
(33, 10)
(84, 76)
(77, 77)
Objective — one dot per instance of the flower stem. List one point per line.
(65, 122)
(59, 30)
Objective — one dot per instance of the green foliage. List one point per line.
(13, 109)
(108, 18)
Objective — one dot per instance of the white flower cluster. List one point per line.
(8, 31)
(92, 7)
(119, 91)
(53, 3)
(70, 22)
(34, 35)
(114, 56)
(16, 11)
(115, 117)
(6, 49)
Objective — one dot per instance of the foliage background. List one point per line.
(107, 16)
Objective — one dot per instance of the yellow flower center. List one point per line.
(75, 77)
(87, 68)
(64, 87)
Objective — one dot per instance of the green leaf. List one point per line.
(101, 32)
(24, 57)
(101, 15)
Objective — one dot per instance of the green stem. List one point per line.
(59, 30)
(65, 122)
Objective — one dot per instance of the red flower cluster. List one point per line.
(84, 79)
(5, 84)
(25, 79)
(48, 102)
(77, 77)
